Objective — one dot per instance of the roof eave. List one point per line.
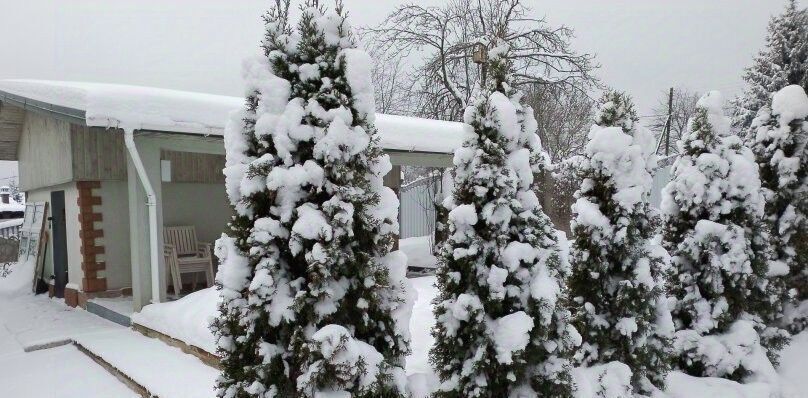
(60, 112)
(78, 116)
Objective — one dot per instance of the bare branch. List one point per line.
(434, 45)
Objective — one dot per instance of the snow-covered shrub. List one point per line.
(782, 61)
(502, 323)
(608, 380)
(780, 134)
(714, 231)
(5, 269)
(618, 282)
(313, 302)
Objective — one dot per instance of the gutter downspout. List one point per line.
(151, 205)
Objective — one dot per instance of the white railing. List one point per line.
(10, 228)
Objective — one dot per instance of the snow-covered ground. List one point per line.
(419, 252)
(187, 320)
(61, 372)
(30, 322)
(38, 357)
(148, 361)
(420, 326)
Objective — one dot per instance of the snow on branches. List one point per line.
(713, 209)
(313, 301)
(618, 272)
(502, 324)
(783, 61)
(780, 134)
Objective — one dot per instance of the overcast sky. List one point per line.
(643, 46)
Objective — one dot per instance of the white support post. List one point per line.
(151, 204)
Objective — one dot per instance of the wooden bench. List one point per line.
(185, 255)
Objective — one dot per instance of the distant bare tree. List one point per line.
(564, 117)
(389, 83)
(436, 43)
(684, 105)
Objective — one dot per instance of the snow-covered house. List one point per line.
(11, 213)
(119, 163)
(10, 208)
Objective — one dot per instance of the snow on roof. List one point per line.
(148, 108)
(416, 134)
(11, 207)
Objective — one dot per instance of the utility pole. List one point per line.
(667, 131)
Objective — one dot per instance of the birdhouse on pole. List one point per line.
(480, 53)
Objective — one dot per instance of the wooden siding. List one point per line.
(44, 152)
(195, 167)
(11, 123)
(98, 154)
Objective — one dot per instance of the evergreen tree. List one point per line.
(313, 303)
(780, 133)
(782, 62)
(502, 320)
(618, 274)
(713, 209)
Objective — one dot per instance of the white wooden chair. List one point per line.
(185, 255)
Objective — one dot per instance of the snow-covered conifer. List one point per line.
(715, 234)
(502, 321)
(313, 302)
(783, 61)
(780, 133)
(618, 282)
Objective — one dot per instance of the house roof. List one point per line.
(174, 111)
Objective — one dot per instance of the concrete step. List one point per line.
(107, 313)
(148, 366)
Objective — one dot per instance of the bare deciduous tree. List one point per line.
(684, 106)
(437, 45)
(564, 117)
(390, 84)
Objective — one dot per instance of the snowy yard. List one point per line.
(31, 322)
(44, 374)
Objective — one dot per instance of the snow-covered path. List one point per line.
(421, 325)
(60, 372)
(148, 361)
(31, 322)
(54, 367)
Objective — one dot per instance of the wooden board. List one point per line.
(11, 122)
(32, 236)
(195, 167)
(44, 154)
(98, 154)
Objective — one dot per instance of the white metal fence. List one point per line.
(417, 207)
